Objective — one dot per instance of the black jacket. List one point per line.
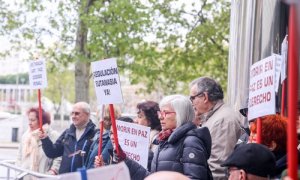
(186, 151)
(66, 145)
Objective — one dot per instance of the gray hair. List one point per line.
(182, 106)
(209, 85)
(85, 106)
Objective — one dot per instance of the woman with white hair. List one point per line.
(182, 147)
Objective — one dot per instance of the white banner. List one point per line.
(262, 88)
(134, 141)
(284, 52)
(107, 81)
(278, 62)
(38, 74)
(116, 172)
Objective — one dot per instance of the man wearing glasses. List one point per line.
(223, 123)
(74, 143)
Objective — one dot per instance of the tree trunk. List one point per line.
(82, 70)
(82, 66)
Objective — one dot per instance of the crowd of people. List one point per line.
(195, 137)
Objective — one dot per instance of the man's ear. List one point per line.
(242, 175)
(205, 96)
(272, 146)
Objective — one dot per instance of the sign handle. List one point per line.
(258, 130)
(100, 138)
(114, 127)
(292, 153)
(101, 132)
(40, 111)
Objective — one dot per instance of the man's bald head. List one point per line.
(80, 114)
(166, 175)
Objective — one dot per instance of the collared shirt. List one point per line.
(80, 130)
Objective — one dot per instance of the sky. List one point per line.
(12, 64)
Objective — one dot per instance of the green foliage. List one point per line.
(207, 43)
(60, 84)
(21, 78)
(166, 62)
(205, 51)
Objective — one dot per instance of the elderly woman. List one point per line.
(31, 155)
(182, 147)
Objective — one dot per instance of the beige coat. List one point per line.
(224, 126)
(153, 135)
(31, 155)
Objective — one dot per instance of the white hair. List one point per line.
(182, 106)
(85, 106)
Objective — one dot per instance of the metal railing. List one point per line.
(10, 165)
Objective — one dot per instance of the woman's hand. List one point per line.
(52, 172)
(42, 134)
(116, 157)
(99, 161)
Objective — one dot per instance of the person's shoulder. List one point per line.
(198, 131)
(201, 133)
(227, 109)
(25, 135)
(91, 123)
(199, 137)
(68, 132)
(227, 113)
(153, 133)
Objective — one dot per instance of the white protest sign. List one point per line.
(134, 141)
(278, 63)
(107, 81)
(116, 172)
(284, 52)
(262, 88)
(38, 74)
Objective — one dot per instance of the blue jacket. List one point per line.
(106, 144)
(67, 146)
(186, 151)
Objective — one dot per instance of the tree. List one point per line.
(21, 78)
(204, 51)
(87, 30)
(60, 87)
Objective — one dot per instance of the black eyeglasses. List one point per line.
(192, 98)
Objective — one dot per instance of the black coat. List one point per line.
(67, 144)
(186, 151)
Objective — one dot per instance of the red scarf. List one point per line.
(164, 135)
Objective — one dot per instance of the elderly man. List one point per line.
(74, 143)
(223, 123)
(250, 161)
